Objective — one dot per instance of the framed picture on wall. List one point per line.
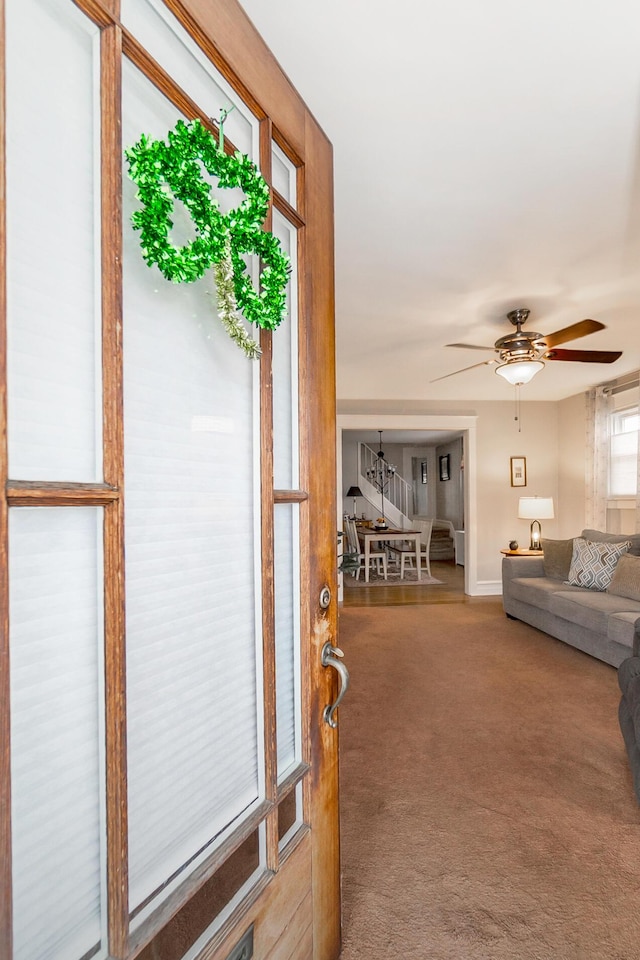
(518, 471)
(423, 471)
(444, 467)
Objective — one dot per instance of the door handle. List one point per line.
(331, 657)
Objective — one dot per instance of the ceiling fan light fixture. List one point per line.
(518, 372)
(522, 354)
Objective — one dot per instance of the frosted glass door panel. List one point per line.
(56, 731)
(162, 35)
(287, 626)
(53, 251)
(285, 371)
(192, 561)
(283, 175)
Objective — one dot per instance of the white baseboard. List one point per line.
(486, 588)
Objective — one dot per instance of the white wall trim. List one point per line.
(467, 425)
(488, 588)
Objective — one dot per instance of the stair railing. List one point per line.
(397, 491)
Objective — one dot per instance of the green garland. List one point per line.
(176, 164)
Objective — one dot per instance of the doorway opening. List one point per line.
(437, 456)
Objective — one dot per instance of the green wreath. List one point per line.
(155, 165)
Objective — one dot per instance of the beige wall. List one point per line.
(571, 465)
(498, 441)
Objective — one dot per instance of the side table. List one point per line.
(521, 552)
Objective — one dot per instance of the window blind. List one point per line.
(287, 629)
(194, 673)
(53, 234)
(167, 41)
(623, 453)
(56, 730)
(285, 371)
(283, 174)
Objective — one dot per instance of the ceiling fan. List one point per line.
(523, 354)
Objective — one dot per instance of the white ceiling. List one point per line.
(487, 156)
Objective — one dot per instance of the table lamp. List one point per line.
(535, 509)
(354, 492)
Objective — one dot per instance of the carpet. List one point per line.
(487, 806)
(410, 577)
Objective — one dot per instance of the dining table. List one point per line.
(369, 535)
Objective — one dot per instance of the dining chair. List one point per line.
(377, 557)
(405, 554)
(425, 527)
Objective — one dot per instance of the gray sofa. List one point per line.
(597, 621)
(629, 711)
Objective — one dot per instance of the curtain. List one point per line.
(602, 403)
(637, 393)
(599, 407)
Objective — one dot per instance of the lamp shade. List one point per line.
(354, 492)
(519, 371)
(536, 508)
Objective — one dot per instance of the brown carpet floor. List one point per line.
(487, 806)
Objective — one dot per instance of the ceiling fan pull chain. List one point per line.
(517, 417)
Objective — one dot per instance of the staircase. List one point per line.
(397, 492)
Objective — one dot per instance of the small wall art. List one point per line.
(444, 467)
(518, 471)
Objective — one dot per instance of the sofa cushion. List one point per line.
(598, 536)
(557, 558)
(593, 562)
(620, 627)
(625, 581)
(538, 590)
(590, 608)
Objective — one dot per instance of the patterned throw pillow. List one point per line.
(600, 537)
(592, 564)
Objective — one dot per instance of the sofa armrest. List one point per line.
(513, 567)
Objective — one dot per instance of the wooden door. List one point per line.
(169, 518)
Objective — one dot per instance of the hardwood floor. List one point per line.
(451, 590)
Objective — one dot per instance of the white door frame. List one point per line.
(467, 426)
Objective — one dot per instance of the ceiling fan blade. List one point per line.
(584, 356)
(484, 363)
(581, 329)
(468, 346)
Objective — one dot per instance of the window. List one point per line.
(623, 452)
